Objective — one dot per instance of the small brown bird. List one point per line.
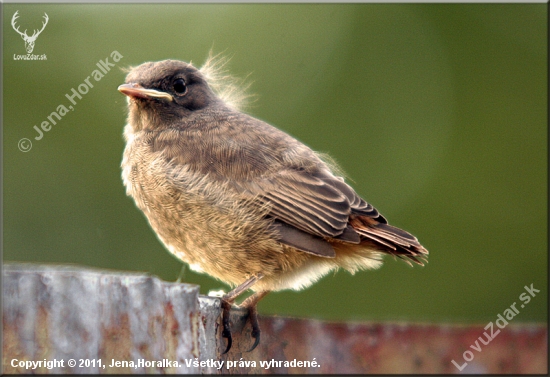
(238, 199)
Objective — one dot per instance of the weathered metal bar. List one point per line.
(137, 323)
(70, 313)
(386, 348)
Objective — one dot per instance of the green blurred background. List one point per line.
(436, 112)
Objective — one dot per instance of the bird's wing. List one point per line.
(318, 204)
(314, 207)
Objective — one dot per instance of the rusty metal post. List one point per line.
(91, 317)
(113, 322)
(385, 348)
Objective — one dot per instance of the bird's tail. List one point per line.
(393, 241)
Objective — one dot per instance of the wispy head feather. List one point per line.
(230, 89)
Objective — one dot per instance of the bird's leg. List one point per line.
(182, 274)
(250, 304)
(228, 300)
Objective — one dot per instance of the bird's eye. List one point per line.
(179, 86)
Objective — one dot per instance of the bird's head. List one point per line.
(161, 94)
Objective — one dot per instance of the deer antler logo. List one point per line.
(29, 40)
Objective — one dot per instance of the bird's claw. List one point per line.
(253, 314)
(226, 333)
(229, 341)
(256, 337)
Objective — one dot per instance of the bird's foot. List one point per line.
(249, 304)
(253, 316)
(226, 333)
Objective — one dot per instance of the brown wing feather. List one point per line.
(398, 242)
(312, 203)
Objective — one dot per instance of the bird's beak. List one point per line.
(137, 91)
